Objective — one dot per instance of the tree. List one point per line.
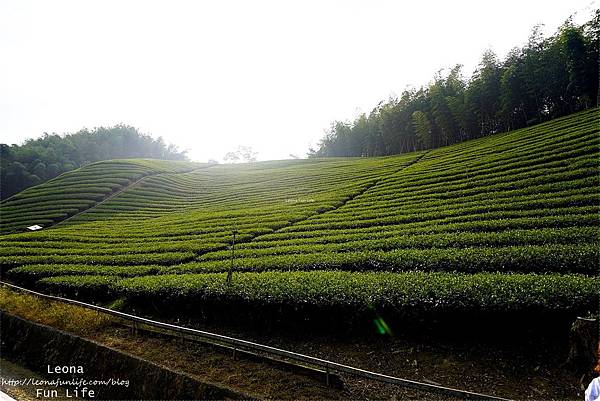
(513, 110)
(591, 31)
(52, 170)
(39, 170)
(244, 154)
(483, 93)
(446, 98)
(574, 46)
(422, 128)
(231, 157)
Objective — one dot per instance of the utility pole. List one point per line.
(230, 272)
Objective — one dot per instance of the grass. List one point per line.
(53, 314)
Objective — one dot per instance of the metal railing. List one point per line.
(292, 358)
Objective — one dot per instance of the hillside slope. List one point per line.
(78, 190)
(503, 223)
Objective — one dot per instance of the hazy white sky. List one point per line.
(211, 75)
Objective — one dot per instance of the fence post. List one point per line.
(230, 272)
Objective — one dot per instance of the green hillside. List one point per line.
(79, 190)
(508, 222)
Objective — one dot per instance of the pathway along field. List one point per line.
(503, 226)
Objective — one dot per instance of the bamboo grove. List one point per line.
(545, 79)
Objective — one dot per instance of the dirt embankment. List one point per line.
(532, 371)
(113, 374)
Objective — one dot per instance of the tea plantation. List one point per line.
(502, 224)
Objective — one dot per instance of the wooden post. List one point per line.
(230, 272)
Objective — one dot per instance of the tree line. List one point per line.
(39, 160)
(546, 78)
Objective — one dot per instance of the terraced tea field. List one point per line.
(79, 190)
(502, 224)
